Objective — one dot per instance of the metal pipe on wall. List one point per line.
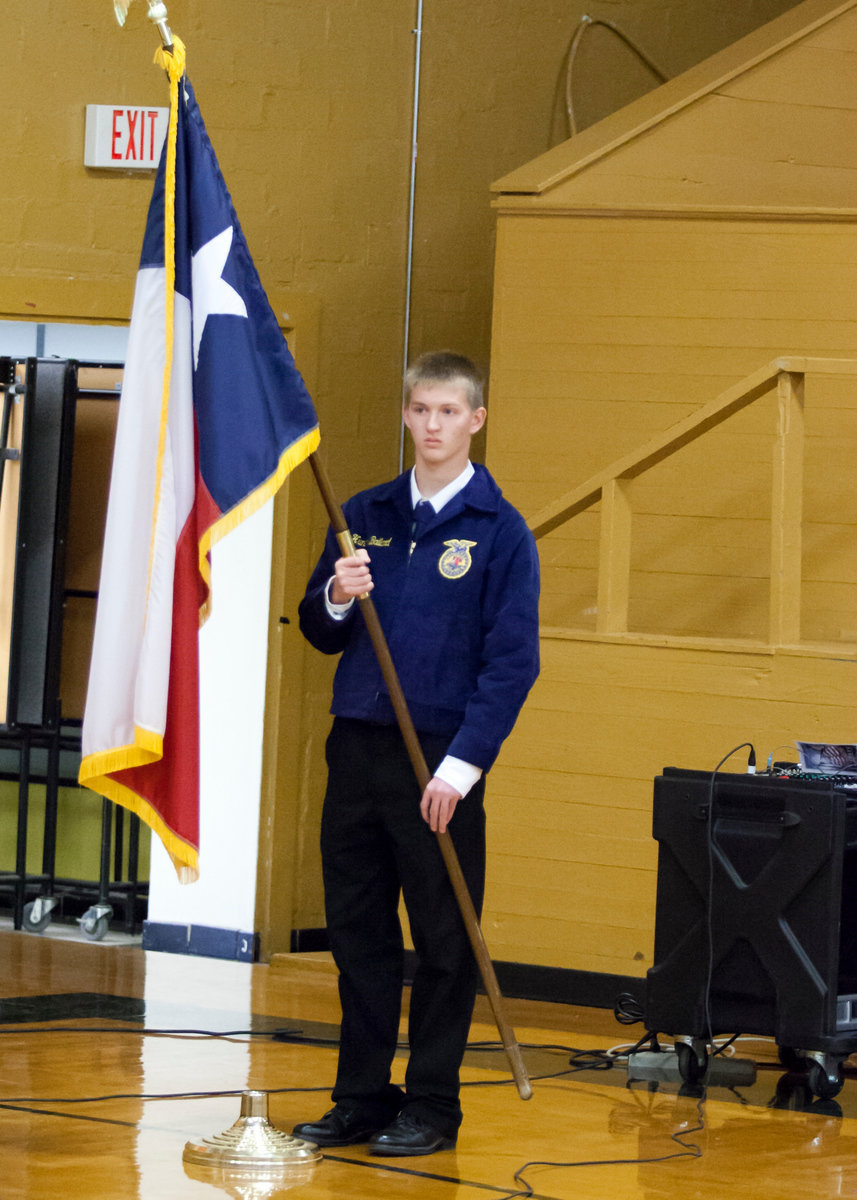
(418, 34)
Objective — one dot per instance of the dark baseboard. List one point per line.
(308, 941)
(523, 981)
(203, 940)
(560, 985)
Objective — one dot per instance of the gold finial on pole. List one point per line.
(157, 15)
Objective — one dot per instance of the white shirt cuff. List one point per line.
(458, 774)
(337, 611)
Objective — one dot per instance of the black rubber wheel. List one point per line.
(35, 926)
(825, 1083)
(93, 925)
(692, 1064)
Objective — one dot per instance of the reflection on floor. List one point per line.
(112, 1059)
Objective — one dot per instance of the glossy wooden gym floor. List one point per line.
(84, 1107)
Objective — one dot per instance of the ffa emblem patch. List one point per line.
(455, 561)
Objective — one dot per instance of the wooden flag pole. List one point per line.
(415, 753)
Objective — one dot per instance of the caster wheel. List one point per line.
(35, 919)
(96, 921)
(825, 1081)
(692, 1061)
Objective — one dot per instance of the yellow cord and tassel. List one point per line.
(173, 62)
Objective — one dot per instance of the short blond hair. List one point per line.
(444, 367)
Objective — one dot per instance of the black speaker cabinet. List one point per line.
(757, 889)
(35, 495)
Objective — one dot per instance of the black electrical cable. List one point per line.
(627, 1010)
(649, 1038)
(711, 845)
(499, 1192)
(67, 1116)
(729, 1042)
(691, 1150)
(296, 1036)
(588, 1060)
(687, 1151)
(566, 1071)
(147, 1096)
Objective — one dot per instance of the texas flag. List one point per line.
(213, 416)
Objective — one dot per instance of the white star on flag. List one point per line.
(212, 295)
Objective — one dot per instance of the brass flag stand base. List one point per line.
(251, 1147)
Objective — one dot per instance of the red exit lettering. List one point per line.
(133, 135)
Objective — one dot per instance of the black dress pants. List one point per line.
(375, 846)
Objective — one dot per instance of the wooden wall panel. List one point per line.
(609, 329)
(95, 430)
(691, 306)
(591, 383)
(820, 72)
(571, 880)
(730, 151)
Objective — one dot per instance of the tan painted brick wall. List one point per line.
(309, 108)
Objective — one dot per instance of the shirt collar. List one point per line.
(439, 499)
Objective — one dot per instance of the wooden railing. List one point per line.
(612, 488)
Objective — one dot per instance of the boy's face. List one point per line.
(442, 423)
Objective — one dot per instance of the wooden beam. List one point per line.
(804, 365)
(787, 512)
(614, 558)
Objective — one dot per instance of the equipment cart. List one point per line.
(46, 404)
(756, 918)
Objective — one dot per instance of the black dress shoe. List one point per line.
(339, 1127)
(409, 1134)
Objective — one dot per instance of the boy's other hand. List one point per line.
(438, 804)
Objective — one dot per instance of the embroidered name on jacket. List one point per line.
(456, 561)
(372, 541)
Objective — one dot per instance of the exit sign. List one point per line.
(124, 138)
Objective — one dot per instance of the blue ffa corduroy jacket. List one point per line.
(460, 614)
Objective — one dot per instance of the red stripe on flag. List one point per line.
(171, 784)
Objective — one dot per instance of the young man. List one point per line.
(453, 573)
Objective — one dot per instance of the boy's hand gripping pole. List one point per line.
(415, 753)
